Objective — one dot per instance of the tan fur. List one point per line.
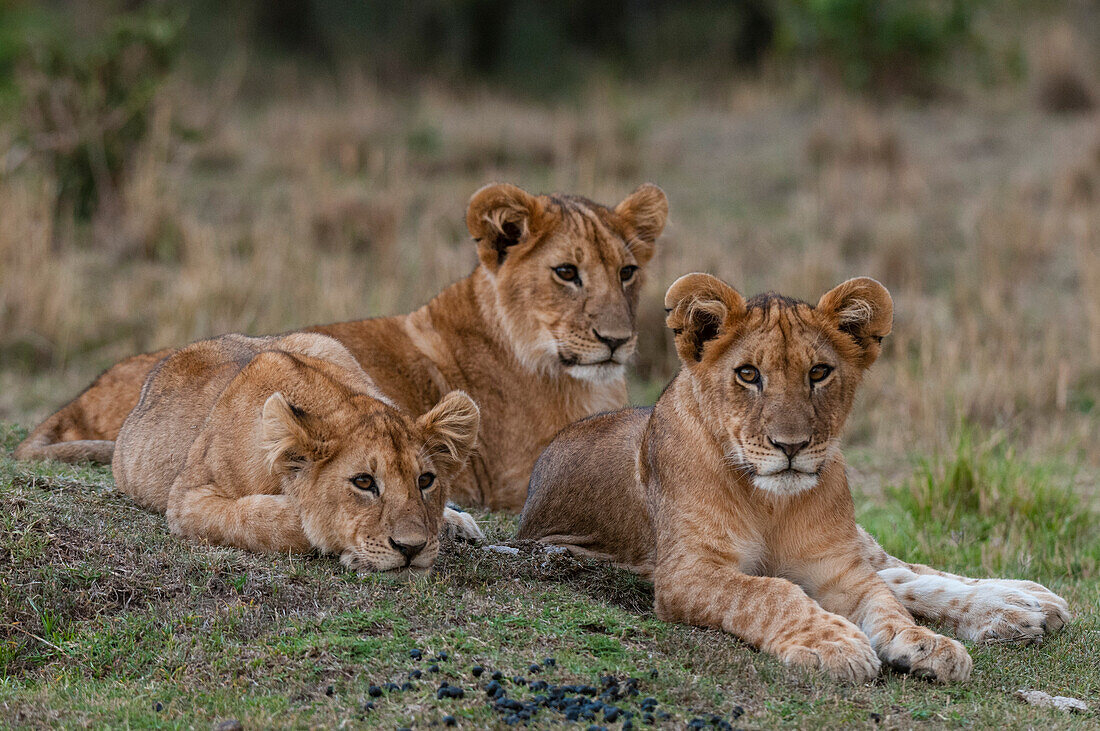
(522, 342)
(254, 443)
(735, 491)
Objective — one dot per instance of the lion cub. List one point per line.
(285, 444)
(731, 493)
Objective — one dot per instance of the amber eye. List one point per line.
(748, 374)
(425, 481)
(627, 272)
(567, 273)
(365, 483)
(820, 372)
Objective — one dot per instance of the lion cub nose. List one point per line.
(611, 342)
(790, 448)
(408, 550)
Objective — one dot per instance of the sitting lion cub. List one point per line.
(285, 444)
(731, 493)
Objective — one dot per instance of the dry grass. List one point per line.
(330, 204)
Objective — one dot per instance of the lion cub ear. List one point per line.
(863, 309)
(286, 440)
(451, 429)
(699, 308)
(645, 211)
(499, 217)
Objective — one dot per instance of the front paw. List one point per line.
(844, 652)
(461, 526)
(925, 654)
(1005, 610)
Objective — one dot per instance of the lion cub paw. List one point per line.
(844, 652)
(925, 654)
(461, 526)
(1005, 611)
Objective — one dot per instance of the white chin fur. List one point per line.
(785, 483)
(602, 373)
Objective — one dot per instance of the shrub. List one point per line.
(879, 44)
(86, 98)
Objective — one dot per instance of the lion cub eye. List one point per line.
(425, 481)
(820, 372)
(627, 272)
(748, 374)
(567, 273)
(365, 483)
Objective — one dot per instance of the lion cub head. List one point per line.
(775, 377)
(370, 482)
(566, 274)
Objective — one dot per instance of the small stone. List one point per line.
(1046, 700)
(507, 550)
(229, 724)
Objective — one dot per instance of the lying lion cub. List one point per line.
(285, 444)
(731, 492)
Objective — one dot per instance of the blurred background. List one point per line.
(174, 170)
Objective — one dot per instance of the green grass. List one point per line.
(106, 619)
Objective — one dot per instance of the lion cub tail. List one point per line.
(43, 445)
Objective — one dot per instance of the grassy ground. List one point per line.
(338, 199)
(108, 619)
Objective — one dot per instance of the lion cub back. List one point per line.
(584, 493)
(176, 401)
